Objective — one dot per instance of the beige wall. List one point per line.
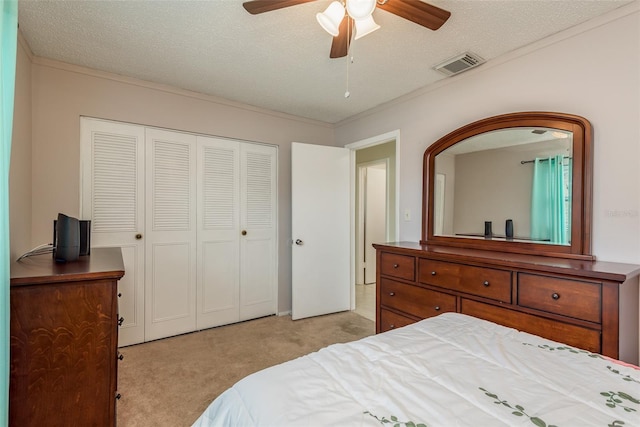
(592, 70)
(62, 93)
(20, 170)
(483, 194)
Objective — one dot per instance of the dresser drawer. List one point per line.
(554, 330)
(414, 300)
(400, 266)
(581, 300)
(390, 320)
(480, 281)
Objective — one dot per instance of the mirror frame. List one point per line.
(581, 217)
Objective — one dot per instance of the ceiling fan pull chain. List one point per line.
(347, 94)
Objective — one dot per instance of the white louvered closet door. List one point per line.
(112, 196)
(170, 249)
(218, 232)
(258, 248)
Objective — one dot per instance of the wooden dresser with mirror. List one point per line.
(506, 237)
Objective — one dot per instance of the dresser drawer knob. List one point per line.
(486, 283)
(437, 308)
(433, 273)
(120, 356)
(395, 266)
(120, 321)
(555, 296)
(391, 294)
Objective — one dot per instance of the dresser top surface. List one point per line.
(103, 263)
(603, 270)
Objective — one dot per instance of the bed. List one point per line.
(449, 370)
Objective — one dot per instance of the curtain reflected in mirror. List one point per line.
(551, 200)
(489, 179)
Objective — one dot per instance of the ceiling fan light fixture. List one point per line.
(560, 135)
(330, 19)
(365, 26)
(360, 9)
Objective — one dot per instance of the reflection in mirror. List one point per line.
(522, 174)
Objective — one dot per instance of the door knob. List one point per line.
(243, 232)
(138, 236)
(298, 242)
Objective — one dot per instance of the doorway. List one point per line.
(375, 216)
(372, 217)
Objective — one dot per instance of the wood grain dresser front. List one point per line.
(575, 302)
(64, 337)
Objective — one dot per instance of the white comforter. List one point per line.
(451, 370)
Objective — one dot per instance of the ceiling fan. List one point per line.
(342, 16)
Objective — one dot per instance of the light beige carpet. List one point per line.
(170, 382)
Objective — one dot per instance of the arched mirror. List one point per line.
(517, 182)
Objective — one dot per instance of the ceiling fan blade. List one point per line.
(417, 11)
(260, 6)
(341, 42)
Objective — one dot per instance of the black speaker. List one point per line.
(66, 238)
(508, 229)
(85, 237)
(487, 229)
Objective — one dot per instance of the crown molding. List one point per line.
(78, 69)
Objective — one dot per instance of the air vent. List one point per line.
(459, 64)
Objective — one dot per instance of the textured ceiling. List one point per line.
(280, 60)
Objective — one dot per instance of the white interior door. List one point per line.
(112, 197)
(170, 250)
(375, 225)
(320, 219)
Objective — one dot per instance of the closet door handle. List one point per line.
(243, 232)
(299, 242)
(138, 236)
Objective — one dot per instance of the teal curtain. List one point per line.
(550, 200)
(8, 34)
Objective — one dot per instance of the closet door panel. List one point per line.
(219, 275)
(171, 301)
(258, 292)
(258, 192)
(218, 234)
(170, 251)
(113, 197)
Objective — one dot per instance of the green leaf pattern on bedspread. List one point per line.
(624, 377)
(570, 349)
(614, 399)
(394, 420)
(518, 410)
